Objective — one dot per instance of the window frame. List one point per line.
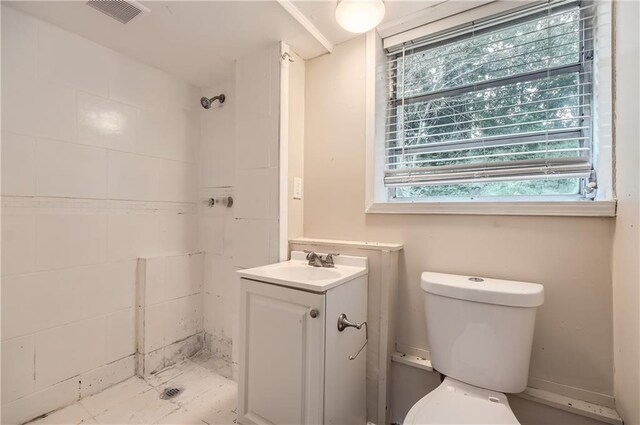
(377, 198)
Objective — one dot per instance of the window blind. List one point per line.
(507, 99)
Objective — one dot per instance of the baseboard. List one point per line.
(574, 400)
(590, 410)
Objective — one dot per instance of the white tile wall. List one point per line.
(138, 85)
(169, 278)
(18, 243)
(257, 193)
(258, 250)
(184, 276)
(176, 181)
(133, 176)
(218, 139)
(169, 133)
(39, 292)
(18, 357)
(30, 406)
(70, 170)
(65, 296)
(132, 234)
(155, 322)
(185, 317)
(111, 160)
(53, 118)
(70, 239)
(211, 231)
(19, 45)
(18, 165)
(87, 188)
(253, 138)
(170, 304)
(65, 58)
(106, 123)
(98, 379)
(245, 235)
(121, 334)
(69, 350)
(178, 233)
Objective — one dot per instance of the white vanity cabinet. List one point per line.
(295, 365)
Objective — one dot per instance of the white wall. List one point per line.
(98, 169)
(569, 256)
(626, 242)
(239, 157)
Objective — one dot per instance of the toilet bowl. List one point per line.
(480, 333)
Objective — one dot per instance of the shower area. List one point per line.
(130, 198)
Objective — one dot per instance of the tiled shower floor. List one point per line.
(208, 398)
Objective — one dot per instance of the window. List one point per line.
(497, 109)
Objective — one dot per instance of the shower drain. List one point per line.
(171, 392)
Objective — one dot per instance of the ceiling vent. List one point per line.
(123, 11)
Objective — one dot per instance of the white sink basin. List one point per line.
(301, 272)
(296, 273)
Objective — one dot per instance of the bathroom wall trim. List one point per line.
(376, 246)
(283, 192)
(411, 360)
(551, 208)
(572, 392)
(574, 400)
(569, 404)
(306, 24)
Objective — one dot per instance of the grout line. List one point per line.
(107, 263)
(72, 198)
(106, 149)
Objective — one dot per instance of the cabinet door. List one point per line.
(281, 355)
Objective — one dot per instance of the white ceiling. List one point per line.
(199, 40)
(322, 14)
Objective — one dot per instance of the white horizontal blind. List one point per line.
(502, 100)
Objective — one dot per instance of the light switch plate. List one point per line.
(297, 188)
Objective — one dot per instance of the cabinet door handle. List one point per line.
(314, 313)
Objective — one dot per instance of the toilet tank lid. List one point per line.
(484, 290)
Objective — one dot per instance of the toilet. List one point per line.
(480, 332)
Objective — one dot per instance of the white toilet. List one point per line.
(480, 333)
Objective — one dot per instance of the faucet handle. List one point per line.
(329, 257)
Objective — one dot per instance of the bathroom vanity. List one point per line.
(302, 342)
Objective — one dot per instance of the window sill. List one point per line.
(534, 208)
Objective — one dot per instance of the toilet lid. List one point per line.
(454, 402)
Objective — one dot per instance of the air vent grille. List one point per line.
(120, 10)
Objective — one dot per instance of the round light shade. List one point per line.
(359, 15)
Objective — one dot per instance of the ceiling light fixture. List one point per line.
(359, 16)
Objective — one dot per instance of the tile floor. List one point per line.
(208, 398)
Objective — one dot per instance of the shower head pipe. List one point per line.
(206, 102)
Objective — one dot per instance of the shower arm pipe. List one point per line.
(206, 102)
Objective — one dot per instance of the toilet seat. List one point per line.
(455, 402)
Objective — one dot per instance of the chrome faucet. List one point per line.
(316, 260)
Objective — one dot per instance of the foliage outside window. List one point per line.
(502, 110)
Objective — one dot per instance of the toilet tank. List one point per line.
(480, 330)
